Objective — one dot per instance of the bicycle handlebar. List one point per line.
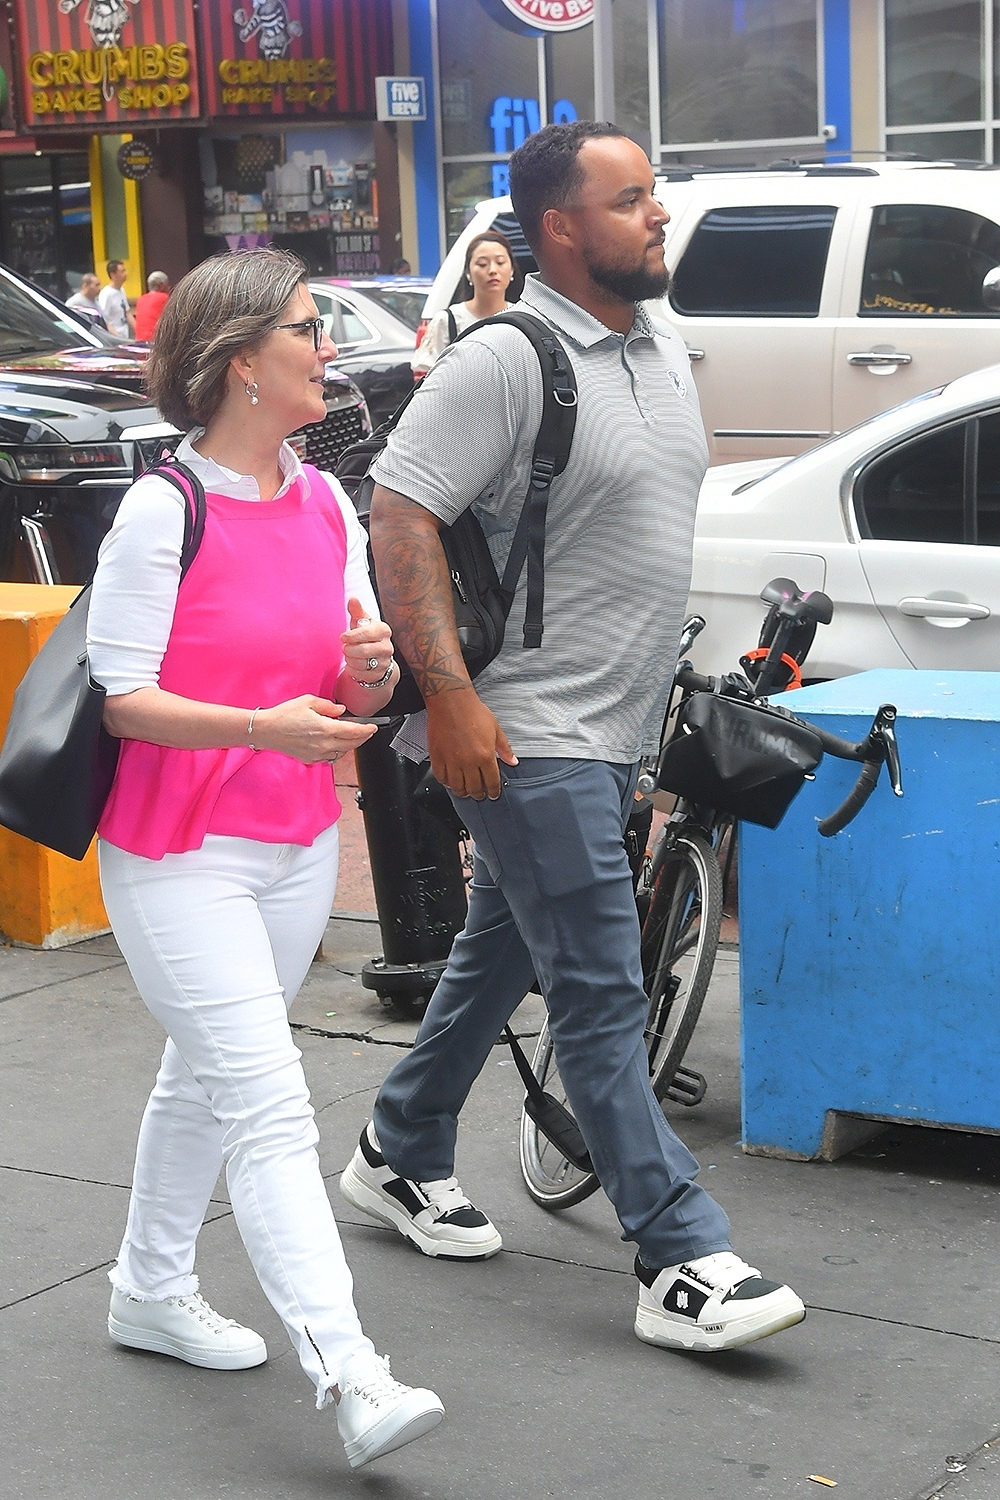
(878, 746)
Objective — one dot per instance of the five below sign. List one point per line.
(552, 15)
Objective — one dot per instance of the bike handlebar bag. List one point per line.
(745, 759)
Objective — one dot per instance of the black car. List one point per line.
(374, 323)
(75, 424)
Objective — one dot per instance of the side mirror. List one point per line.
(991, 289)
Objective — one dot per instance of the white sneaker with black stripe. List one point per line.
(715, 1302)
(437, 1217)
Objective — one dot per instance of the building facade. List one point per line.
(160, 131)
(260, 120)
(693, 81)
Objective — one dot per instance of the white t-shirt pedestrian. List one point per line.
(114, 306)
(79, 303)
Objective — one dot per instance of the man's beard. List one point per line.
(630, 283)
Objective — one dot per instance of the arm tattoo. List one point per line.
(415, 592)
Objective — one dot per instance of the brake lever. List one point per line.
(884, 729)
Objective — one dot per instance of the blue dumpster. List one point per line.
(869, 962)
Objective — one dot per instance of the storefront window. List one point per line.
(938, 145)
(571, 74)
(45, 222)
(312, 191)
(738, 70)
(630, 19)
(465, 185)
(489, 81)
(933, 62)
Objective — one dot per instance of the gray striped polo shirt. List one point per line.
(619, 528)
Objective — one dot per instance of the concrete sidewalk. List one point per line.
(895, 1372)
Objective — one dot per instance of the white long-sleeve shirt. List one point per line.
(138, 572)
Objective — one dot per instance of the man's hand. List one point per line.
(466, 743)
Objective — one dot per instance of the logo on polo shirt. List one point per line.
(679, 383)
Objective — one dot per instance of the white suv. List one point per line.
(812, 297)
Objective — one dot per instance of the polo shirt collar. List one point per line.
(570, 318)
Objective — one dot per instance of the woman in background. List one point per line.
(489, 273)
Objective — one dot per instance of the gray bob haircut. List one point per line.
(225, 306)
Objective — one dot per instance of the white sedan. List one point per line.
(898, 520)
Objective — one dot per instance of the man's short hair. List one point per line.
(157, 281)
(113, 266)
(545, 172)
(89, 278)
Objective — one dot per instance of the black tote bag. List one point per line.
(58, 761)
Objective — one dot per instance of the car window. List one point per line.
(355, 329)
(745, 262)
(407, 306)
(928, 261)
(988, 481)
(30, 327)
(325, 308)
(916, 492)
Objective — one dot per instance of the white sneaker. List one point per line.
(377, 1415)
(715, 1302)
(186, 1328)
(437, 1217)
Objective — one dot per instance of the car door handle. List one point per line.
(942, 609)
(879, 358)
(694, 354)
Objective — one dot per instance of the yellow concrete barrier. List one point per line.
(46, 900)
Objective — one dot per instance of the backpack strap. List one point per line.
(452, 326)
(549, 458)
(190, 486)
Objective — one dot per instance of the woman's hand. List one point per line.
(367, 645)
(309, 729)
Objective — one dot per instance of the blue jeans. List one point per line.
(552, 896)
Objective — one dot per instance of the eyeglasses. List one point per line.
(316, 324)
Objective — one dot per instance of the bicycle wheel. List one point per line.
(551, 1180)
(679, 941)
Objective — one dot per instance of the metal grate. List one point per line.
(326, 440)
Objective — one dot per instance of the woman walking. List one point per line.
(218, 846)
(490, 271)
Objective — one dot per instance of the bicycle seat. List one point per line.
(792, 604)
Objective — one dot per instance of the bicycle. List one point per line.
(680, 889)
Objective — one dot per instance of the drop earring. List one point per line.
(251, 387)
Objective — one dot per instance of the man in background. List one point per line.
(150, 305)
(85, 300)
(114, 303)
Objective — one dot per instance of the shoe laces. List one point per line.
(196, 1305)
(375, 1383)
(445, 1194)
(723, 1271)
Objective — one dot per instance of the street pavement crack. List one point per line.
(102, 1265)
(34, 989)
(381, 1041)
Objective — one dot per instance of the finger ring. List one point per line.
(372, 663)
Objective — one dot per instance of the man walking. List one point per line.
(86, 299)
(541, 754)
(150, 305)
(114, 303)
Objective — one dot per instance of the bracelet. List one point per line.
(381, 681)
(253, 747)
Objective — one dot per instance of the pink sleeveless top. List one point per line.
(258, 620)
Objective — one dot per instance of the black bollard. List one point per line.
(413, 834)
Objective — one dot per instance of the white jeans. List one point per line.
(218, 941)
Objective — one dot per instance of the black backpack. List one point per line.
(482, 600)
